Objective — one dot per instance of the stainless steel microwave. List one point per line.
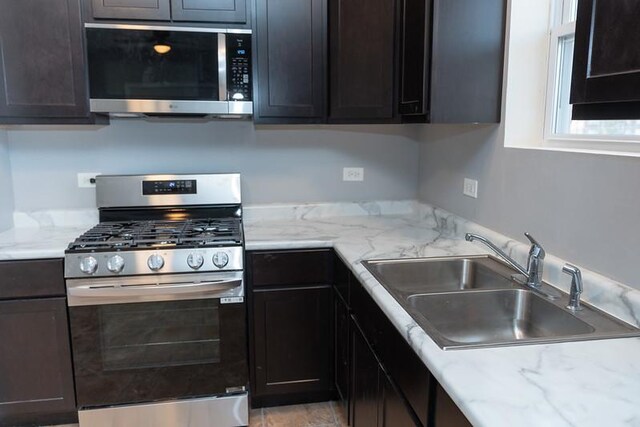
(154, 70)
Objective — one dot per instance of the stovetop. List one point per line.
(150, 234)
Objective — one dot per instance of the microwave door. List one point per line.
(162, 70)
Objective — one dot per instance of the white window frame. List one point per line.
(613, 145)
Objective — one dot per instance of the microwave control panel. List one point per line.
(239, 67)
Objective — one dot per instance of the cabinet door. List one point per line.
(292, 339)
(362, 57)
(42, 66)
(342, 361)
(342, 278)
(446, 413)
(35, 362)
(153, 10)
(291, 58)
(606, 62)
(467, 61)
(398, 358)
(364, 385)
(415, 56)
(393, 410)
(228, 11)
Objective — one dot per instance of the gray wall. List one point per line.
(583, 208)
(6, 193)
(278, 164)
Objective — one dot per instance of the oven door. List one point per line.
(152, 338)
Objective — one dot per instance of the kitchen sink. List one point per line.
(419, 275)
(505, 316)
(476, 301)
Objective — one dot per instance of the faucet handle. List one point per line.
(536, 248)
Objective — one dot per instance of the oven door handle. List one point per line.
(151, 292)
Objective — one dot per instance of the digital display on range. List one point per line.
(183, 186)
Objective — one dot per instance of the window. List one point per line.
(558, 123)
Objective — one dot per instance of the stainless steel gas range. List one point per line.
(156, 304)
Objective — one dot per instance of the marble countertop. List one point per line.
(591, 383)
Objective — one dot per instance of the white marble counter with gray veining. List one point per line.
(590, 383)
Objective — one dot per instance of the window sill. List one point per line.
(585, 146)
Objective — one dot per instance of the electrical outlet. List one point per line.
(353, 174)
(470, 188)
(87, 179)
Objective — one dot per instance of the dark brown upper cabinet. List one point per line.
(390, 61)
(362, 54)
(207, 11)
(452, 58)
(42, 63)
(606, 63)
(153, 10)
(290, 70)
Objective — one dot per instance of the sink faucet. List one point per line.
(576, 286)
(533, 272)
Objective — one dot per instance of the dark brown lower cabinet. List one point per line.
(364, 384)
(36, 377)
(445, 412)
(394, 411)
(408, 394)
(375, 402)
(316, 334)
(291, 323)
(36, 385)
(342, 354)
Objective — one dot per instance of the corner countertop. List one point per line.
(591, 383)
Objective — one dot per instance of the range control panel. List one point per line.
(239, 67)
(181, 186)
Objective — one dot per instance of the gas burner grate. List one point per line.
(154, 234)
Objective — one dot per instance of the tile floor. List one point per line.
(325, 414)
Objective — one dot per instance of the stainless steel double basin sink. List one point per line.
(474, 301)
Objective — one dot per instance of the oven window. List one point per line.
(141, 64)
(159, 334)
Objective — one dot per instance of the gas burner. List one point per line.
(160, 234)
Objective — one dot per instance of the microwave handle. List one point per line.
(97, 295)
(222, 66)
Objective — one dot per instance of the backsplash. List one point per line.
(620, 300)
(293, 164)
(582, 207)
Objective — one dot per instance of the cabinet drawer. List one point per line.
(283, 268)
(31, 278)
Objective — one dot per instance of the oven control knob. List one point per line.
(88, 265)
(115, 264)
(220, 259)
(155, 262)
(195, 261)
